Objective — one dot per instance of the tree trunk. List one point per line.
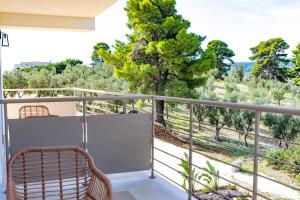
(199, 126)
(160, 106)
(218, 138)
(245, 138)
(280, 144)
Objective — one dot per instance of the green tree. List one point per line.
(221, 117)
(282, 127)
(95, 55)
(278, 91)
(295, 71)
(224, 57)
(161, 57)
(243, 122)
(269, 57)
(40, 79)
(238, 73)
(15, 79)
(61, 66)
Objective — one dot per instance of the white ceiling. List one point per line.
(72, 8)
(75, 15)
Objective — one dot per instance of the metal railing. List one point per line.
(99, 95)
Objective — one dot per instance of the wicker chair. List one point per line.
(31, 111)
(56, 173)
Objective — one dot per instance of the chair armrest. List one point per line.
(99, 187)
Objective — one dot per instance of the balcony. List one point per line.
(140, 157)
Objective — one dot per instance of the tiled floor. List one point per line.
(138, 186)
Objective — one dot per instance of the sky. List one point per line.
(242, 24)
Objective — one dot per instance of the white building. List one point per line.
(23, 65)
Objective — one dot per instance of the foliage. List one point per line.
(259, 96)
(278, 91)
(200, 113)
(230, 85)
(57, 67)
(204, 93)
(97, 77)
(269, 56)
(161, 56)
(140, 104)
(238, 73)
(224, 57)
(294, 72)
(95, 55)
(243, 121)
(285, 159)
(212, 178)
(282, 127)
(185, 167)
(221, 117)
(15, 79)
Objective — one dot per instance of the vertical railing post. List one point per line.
(125, 106)
(152, 138)
(93, 103)
(84, 125)
(7, 145)
(255, 154)
(190, 192)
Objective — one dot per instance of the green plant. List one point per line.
(211, 177)
(294, 72)
(238, 73)
(185, 167)
(282, 127)
(160, 56)
(224, 57)
(297, 177)
(231, 187)
(268, 57)
(278, 91)
(282, 159)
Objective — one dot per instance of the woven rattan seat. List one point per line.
(56, 173)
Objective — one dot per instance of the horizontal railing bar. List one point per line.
(170, 180)
(181, 173)
(168, 154)
(68, 99)
(201, 168)
(218, 160)
(198, 168)
(224, 145)
(215, 191)
(109, 92)
(250, 152)
(273, 180)
(250, 134)
(181, 132)
(259, 108)
(36, 89)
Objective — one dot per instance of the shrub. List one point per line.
(282, 159)
(238, 73)
(297, 177)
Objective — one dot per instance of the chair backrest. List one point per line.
(30, 111)
(54, 173)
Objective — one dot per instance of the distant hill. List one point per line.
(248, 66)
